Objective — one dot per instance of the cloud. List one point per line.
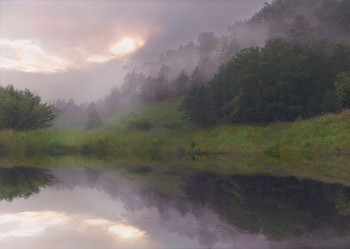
(42, 228)
(118, 50)
(28, 56)
(60, 38)
(51, 37)
(125, 231)
(28, 224)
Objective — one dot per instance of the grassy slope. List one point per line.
(316, 148)
(165, 114)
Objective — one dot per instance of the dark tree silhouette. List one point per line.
(22, 110)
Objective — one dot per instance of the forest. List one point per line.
(290, 60)
(279, 82)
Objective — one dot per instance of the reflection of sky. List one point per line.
(107, 214)
(40, 227)
(104, 212)
(68, 219)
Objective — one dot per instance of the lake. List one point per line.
(92, 207)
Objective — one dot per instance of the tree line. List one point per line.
(279, 82)
(309, 78)
(279, 207)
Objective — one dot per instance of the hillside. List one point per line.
(165, 114)
(316, 148)
(177, 71)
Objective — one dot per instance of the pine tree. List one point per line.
(181, 83)
(93, 121)
(300, 30)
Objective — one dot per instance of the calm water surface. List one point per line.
(89, 208)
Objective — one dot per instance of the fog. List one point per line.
(80, 50)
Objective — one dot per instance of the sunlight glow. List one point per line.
(119, 49)
(125, 231)
(122, 230)
(28, 56)
(30, 224)
(126, 46)
(98, 59)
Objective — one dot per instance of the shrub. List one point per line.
(93, 121)
(142, 124)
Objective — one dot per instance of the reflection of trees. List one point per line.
(23, 182)
(343, 202)
(277, 207)
(92, 174)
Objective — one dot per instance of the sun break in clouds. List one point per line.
(57, 48)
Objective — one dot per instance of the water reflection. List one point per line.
(29, 224)
(278, 207)
(63, 230)
(88, 208)
(23, 182)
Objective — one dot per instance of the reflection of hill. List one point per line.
(23, 181)
(172, 214)
(279, 208)
(283, 208)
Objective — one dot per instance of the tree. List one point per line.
(342, 86)
(22, 110)
(112, 101)
(93, 121)
(197, 78)
(300, 30)
(208, 67)
(207, 42)
(197, 104)
(279, 82)
(148, 89)
(22, 182)
(161, 84)
(72, 115)
(161, 88)
(181, 83)
(278, 207)
(132, 83)
(227, 49)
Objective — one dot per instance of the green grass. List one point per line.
(165, 114)
(317, 148)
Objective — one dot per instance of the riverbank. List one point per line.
(317, 148)
(324, 134)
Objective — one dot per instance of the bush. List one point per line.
(142, 124)
(22, 110)
(93, 121)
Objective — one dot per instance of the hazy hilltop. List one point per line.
(194, 64)
(328, 19)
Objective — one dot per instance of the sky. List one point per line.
(82, 49)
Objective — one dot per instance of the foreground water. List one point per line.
(90, 208)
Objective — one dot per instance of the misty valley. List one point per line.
(151, 124)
